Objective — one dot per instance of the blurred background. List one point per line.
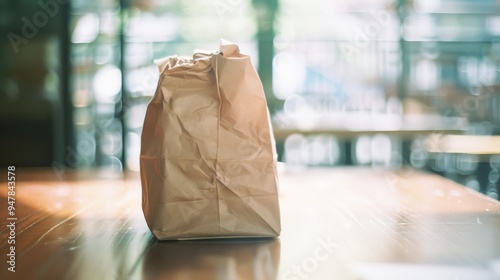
(382, 83)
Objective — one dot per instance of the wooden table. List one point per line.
(339, 223)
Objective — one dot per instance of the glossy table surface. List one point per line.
(338, 223)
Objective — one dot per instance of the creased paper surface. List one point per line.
(208, 162)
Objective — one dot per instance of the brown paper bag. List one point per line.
(208, 159)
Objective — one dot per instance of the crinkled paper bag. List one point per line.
(208, 159)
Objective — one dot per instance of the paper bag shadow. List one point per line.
(240, 258)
